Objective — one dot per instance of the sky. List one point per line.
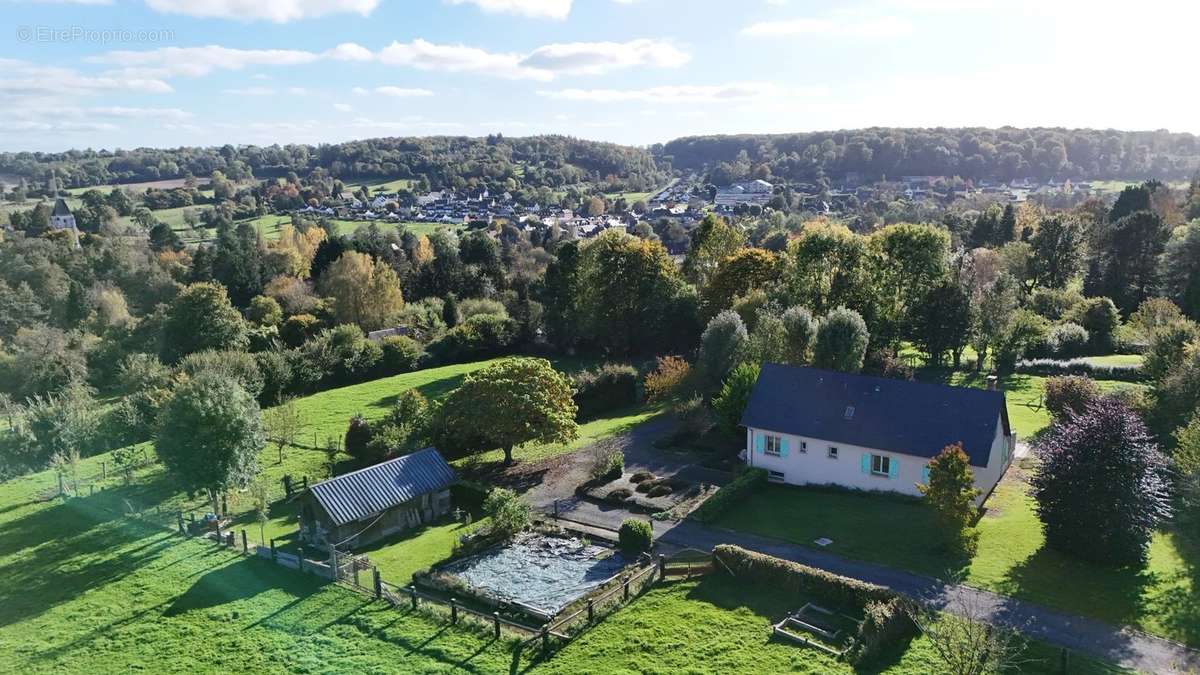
(164, 73)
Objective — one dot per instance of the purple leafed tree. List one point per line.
(1102, 487)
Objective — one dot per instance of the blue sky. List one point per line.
(127, 73)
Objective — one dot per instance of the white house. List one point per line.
(811, 426)
(61, 217)
(749, 192)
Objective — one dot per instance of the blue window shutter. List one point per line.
(783, 447)
(925, 474)
(866, 463)
(760, 445)
(893, 468)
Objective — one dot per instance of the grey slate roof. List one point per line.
(912, 418)
(368, 491)
(60, 208)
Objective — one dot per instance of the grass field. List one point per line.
(269, 225)
(1012, 558)
(1115, 360)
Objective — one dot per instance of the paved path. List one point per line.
(1123, 646)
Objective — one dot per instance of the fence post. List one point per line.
(378, 582)
(272, 549)
(354, 565)
(61, 489)
(179, 518)
(103, 471)
(91, 489)
(245, 546)
(453, 611)
(300, 557)
(625, 584)
(412, 595)
(662, 565)
(556, 508)
(545, 641)
(229, 539)
(591, 611)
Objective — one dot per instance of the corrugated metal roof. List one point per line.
(368, 491)
(912, 418)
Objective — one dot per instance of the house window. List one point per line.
(772, 445)
(880, 465)
(833, 452)
(775, 476)
(803, 446)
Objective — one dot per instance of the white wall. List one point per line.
(816, 468)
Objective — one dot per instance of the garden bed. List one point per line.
(536, 573)
(643, 490)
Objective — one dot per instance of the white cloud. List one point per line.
(298, 91)
(249, 91)
(140, 113)
(402, 92)
(838, 24)
(278, 11)
(196, 61)
(24, 80)
(594, 58)
(348, 51)
(343, 107)
(729, 92)
(424, 55)
(540, 9)
(543, 63)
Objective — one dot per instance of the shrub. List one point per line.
(619, 495)
(731, 402)
(951, 493)
(1167, 347)
(885, 623)
(1067, 340)
(358, 439)
(645, 486)
(479, 337)
(641, 476)
(264, 311)
(695, 419)
(607, 388)
(635, 536)
(299, 329)
(401, 354)
(841, 343)
(1101, 467)
(738, 489)
(237, 366)
(478, 307)
(801, 330)
(509, 513)
(1069, 393)
(668, 380)
(606, 463)
(1099, 316)
(660, 490)
(786, 576)
(722, 345)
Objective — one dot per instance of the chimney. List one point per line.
(992, 382)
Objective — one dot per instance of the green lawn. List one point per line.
(721, 625)
(1115, 360)
(1012, 559)
(269, 225)
(398, 557)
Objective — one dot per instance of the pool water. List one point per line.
(544, 573)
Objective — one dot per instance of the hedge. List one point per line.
(635, 536)
(787, 576)
(1047, 367)
(884, 624)
(607, 388)
(725, 498)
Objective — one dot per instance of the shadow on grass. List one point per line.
(1179, 606)
(1052, 578)
(65, 549)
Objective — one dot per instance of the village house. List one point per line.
(750, 192)
(360, 507)
(820, 427)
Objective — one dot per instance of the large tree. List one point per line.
(200, 318)
(630, 292)
(951, 492)
(746, 270)
(365, 292)
(1181, 268)
(801, 330)
(209, 436)
(1101, 489)
(1127, 265)
(722, 346)
(909, 260)
(509, 403)
(1057, 247)
(713, 240)
(942, 322)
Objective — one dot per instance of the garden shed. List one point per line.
(363, 506)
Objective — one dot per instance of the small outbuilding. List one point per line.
(360, 507)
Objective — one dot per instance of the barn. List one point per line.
(360, 507)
